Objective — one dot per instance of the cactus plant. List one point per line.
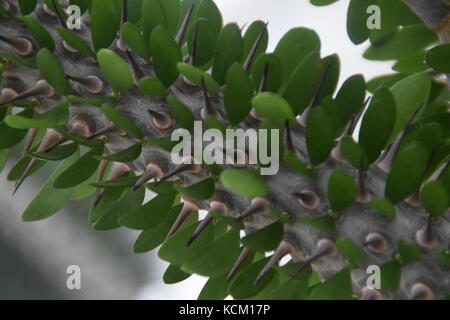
(104, 99)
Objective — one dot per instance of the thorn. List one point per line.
(188, 208)
(324, 247)
(248, 62)
(363, 195)
(50, 137)
(80, 128)
(308, 199)
(112, 129)
(414, 199)
(91, 83)
(208, 110)
(370, 294)
(48, 11)
(31, 136)
(7, 94)
(117, 171)
(425, 236)
(245, 253)
(375, 242)
(20, 45)
(161, 120)
(58, 15)
(42, 88)
(283, 249)
(264, 79)
(387, 158)
(214, 206)
(68, 47)
(194, 168)
(152, 171)
(137, 72)
(184, 25)
(103, 165)
(257, 206)
(255, 115)
(194, 46)
(288, 138)
(420, 291)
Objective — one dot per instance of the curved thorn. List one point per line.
(184, 25)
(31, 136)
(257, 205)
(209, 109)
(245, 253)
(152, 171)
(324, 247)
(425, 236)
(91, 83)
(214, 206)
(117, 171)
(20, 45)
(188, 208)
(363, 195)
(41, 88)
(248, 62)
(195, 168)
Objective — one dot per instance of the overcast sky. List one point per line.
(282, 15)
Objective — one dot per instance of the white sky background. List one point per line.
(330, 24)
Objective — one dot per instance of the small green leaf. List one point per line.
(342, 190)
(408, 251)
(195, 75)
(55, 117)
(12, 136)
(434, 198)
(116, 70)
(322, 2)
(174, 274)
(338, 287)
(437, 58)
(79, 171)
(244, 182)
(121, 121)
(52, 72)
(390, 276)
(238, 94)
(131, 34)
(153, 15)
(183, 116)
(265, 239)
(350, 251)
(201, 190)
(118, 183)
(267, 68)
(129, 154)
(27, 6)
(28, 62)
(229, 50)
(251, 35)
(350, 96)
(49, 200)
(56, 154)
(319, 135)
(384, 207)
(292, 161)
(152, 86)
(354, 153)
(378, 123)
(216, 288)
(149, 215)
(76, 42)
(166, 55)
(105, 22)
(406, 173)
(324, 223)
(357, 19)
(201, 41)
(40, 34)
(293, 47)
(272, 106)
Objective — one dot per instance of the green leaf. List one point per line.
(214, 289)
(172, 10)
(322, 2)
(79, 171)
(437, 58)
(121, 121)
(18, 169)
(49, 200)
(242, 286)
(119, 183)
(357, 18)
(166, 55)
(218, 258)
(350, 96)
(272, 106)
(406, 173)
(292, 161)
(28, 62)
(378, 123)
(105, 22)
(293, 47)
(131, 34)
(342, 190)
(319, 135)
(405, 41)
(238, 94)
(245, 182)
(76, 42)
(52, 72)
(152, 86)
(116, 70)
(195, 75)
(431, 135)
(251, 35)
(27, 6)
(350, 251)
(354, 153)
(229, 50)
(153, 15)
(305, 76)
(265, 239)
(149, 215)
(409, 94)
(201, 41)
(331, 67)
(267, 68)
(183, 116)
(338, 287)
(55, 117)
(434, 198)
(408, 251)
(109, 200)
(390, 276)
(411, 64)
(324, 223)
(209, 10)
(386, 81)
(40, 34)
(129, 154)
(384, 207)
(174, 274)
(201, 190)
(12, 136)
(56, 154)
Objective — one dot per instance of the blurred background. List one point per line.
(34, 256)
